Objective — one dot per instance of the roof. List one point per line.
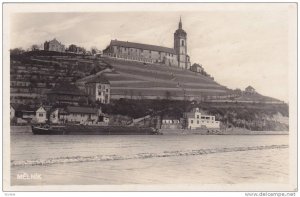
(142, 46)
(170, 117)
(81, 110)
(27, 108)
(180, 32)
(54, 41)
(192, 113)
(197, 65)
(15, 106)
(99, 79)
(66, 88)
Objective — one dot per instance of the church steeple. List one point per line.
(180, 24)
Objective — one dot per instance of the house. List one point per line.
(54, 45)
(58, 115)
(82, 115)
(197, 68)
(13, 109)
(197, 119)
(41, 115)
(27, 112)
(170, 122)
(98, 89)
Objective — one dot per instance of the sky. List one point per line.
(238, 47)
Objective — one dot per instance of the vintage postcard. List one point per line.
(150, 97)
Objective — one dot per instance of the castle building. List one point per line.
(176, 56)
(54, 45)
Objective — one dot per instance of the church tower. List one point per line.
(180, 47)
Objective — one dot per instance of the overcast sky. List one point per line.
(237, 47)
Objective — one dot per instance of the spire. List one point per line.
(180, 23)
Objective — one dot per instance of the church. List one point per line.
(176, 56)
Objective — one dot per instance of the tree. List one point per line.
(237, 91)
(94, 50)
(16, 51)
(34, 47)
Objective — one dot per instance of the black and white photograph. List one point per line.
(150, 97)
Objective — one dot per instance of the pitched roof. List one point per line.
(170, 117)
(66, 88)
(81, 110)
(99, 79)
(15, 106)
(142, 46)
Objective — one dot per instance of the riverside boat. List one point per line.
(92, 130)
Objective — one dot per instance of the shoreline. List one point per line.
(237, 131)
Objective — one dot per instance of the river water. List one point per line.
(166, 159)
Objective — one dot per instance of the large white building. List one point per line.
(197, 120)
(98, 89)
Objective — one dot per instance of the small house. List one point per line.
(41, 115)
(171, 122)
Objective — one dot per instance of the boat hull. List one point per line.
(93, 130)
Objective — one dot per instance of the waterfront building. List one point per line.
(58, 115)
(54, 45)
(13, 108)
(170, 122)
(98, 89)
(41, 115)
(82, 115)
(79, 115)
(176, 56)
(198, 119)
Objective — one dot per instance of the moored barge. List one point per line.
(92, 130)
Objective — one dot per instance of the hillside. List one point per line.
(34, 73)
(132, 79)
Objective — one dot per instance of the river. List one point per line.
(166, 159)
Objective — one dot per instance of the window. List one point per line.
(106, 90)
(41, 114)
(197, 116)
(53, 116)
(192, 121)
(197, 121)
(182, 43)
